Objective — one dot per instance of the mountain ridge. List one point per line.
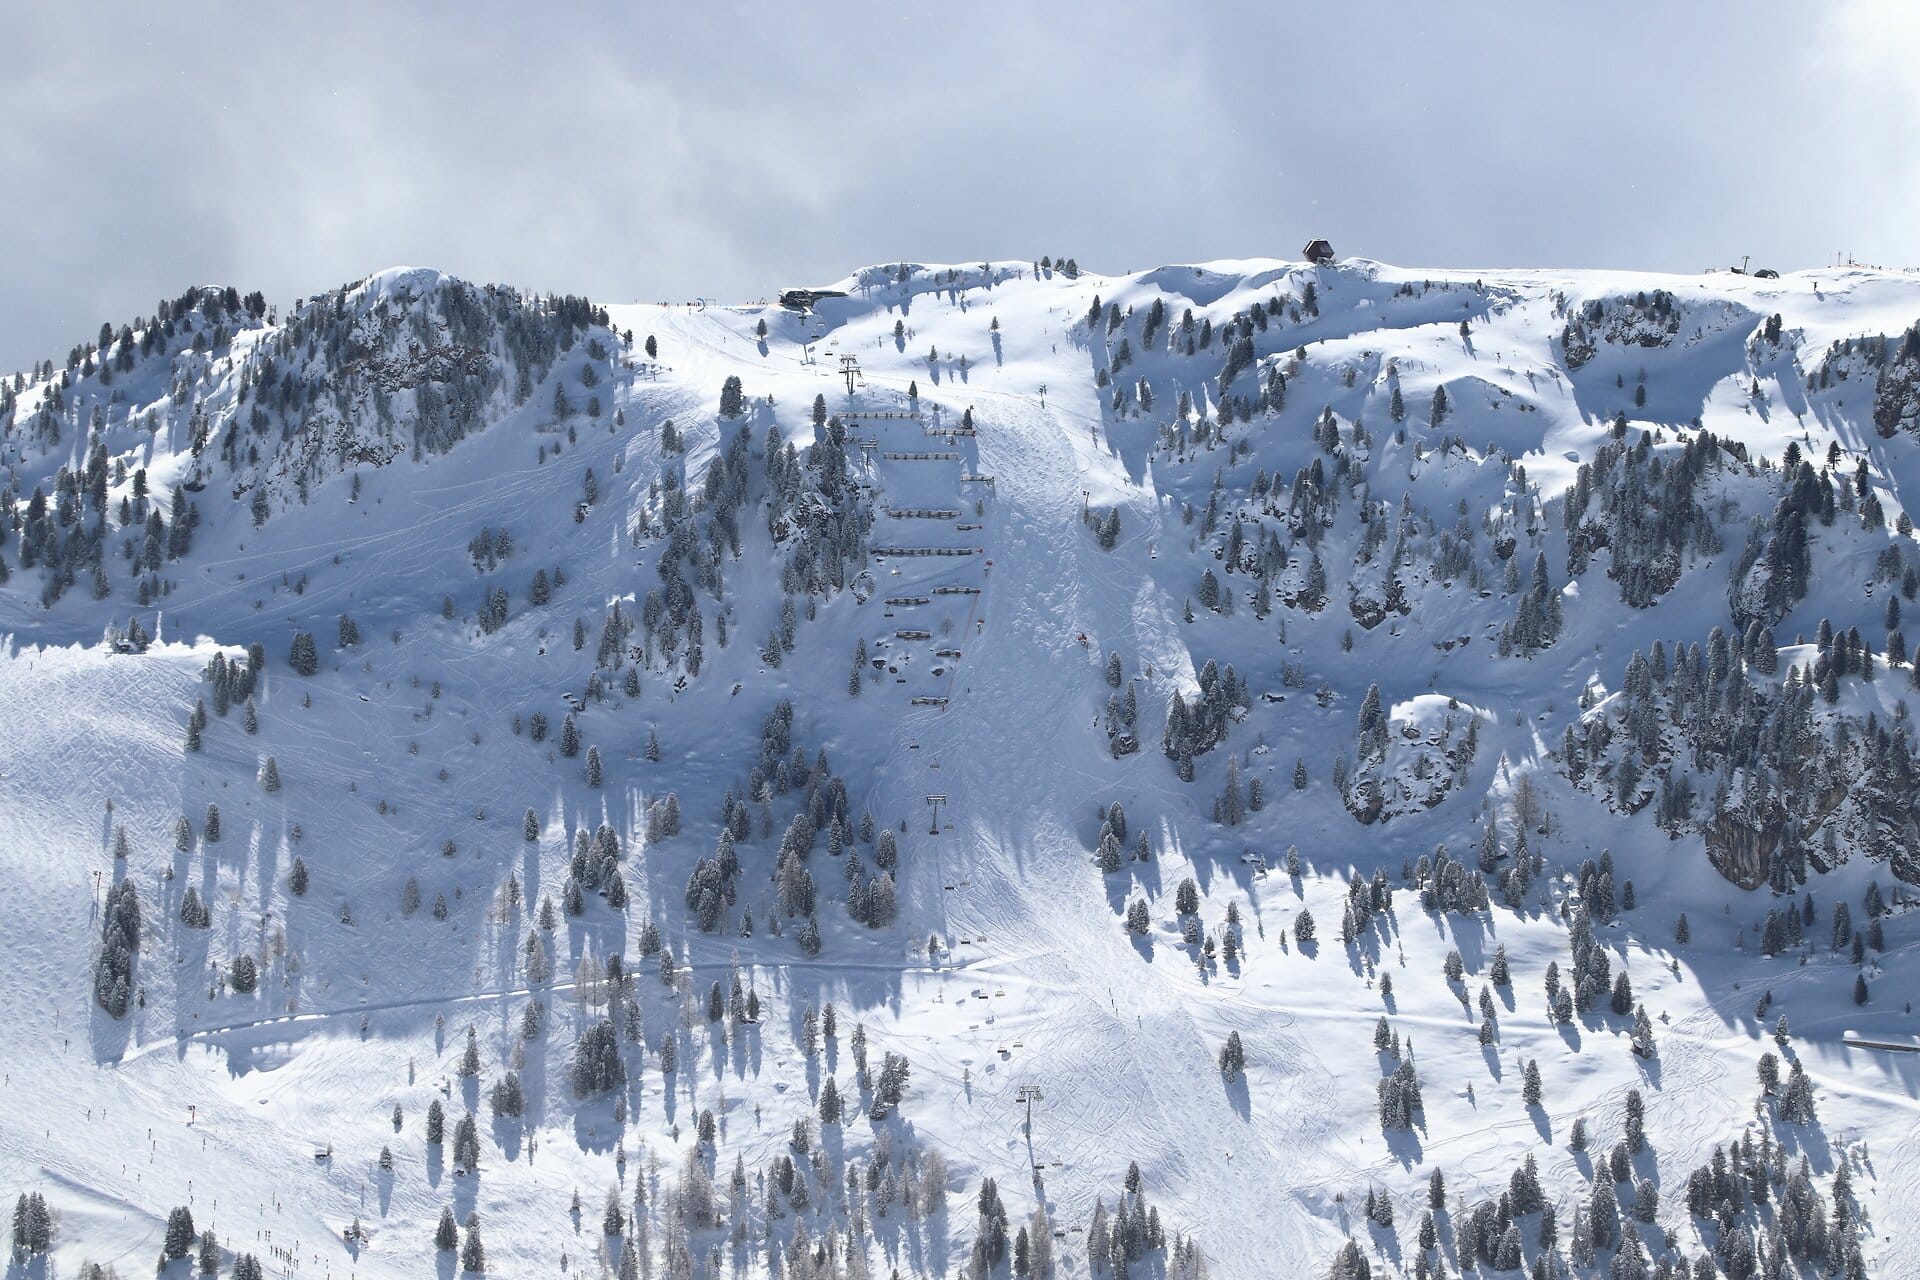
(1464, 611)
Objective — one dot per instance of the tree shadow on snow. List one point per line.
(1385, 1242)
(507, 1135)
(1238, 1096)
(38, 1267)
(593, 1126)
(743, 1048)
(108, 1036)
(1406, 1146)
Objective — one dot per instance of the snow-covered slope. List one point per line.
(1020, 664)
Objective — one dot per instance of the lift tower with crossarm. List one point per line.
(1029, 1094)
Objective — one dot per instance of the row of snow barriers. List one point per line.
(950, 432)
(929, 551)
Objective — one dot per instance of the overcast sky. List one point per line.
(642, 152)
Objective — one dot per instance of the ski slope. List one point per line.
(266, 1112)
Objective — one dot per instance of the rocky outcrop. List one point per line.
(1740, 851)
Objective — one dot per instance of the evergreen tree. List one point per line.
(119, 939)
(1350, 1263)
(830, 1105)
(180, 1236)
(507, 1096)
(304, 657)
(466, 1143)
(243, 975)
(473, 1255)
(1233, 1058)
(32, 1225)
(597, 1066)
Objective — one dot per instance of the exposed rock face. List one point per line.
(1645, 320)
(1889, 365)
(1790, 786)
(1896, 400)
(1368, 612)
(1427, 751)
(1741, 852)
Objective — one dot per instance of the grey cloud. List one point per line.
(665, 151)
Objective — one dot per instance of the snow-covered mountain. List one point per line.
(1239, 769)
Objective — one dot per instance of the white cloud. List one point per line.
(728, 149)
(1866, 159)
